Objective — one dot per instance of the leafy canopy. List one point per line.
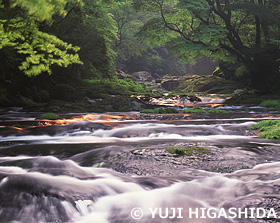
(221, 29)
(19, 29)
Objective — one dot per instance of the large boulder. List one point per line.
(170, 85)
(142, 77)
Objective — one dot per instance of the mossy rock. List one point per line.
(209, 84)
(49, 116)
(270, 103)
(200, 110)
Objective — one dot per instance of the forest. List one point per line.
(147, 111)
(72, 51)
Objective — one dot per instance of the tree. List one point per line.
(231, 30)
(135, 55)
(19, 31)
(93, 29)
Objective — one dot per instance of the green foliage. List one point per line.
(147, 111)
(49, 116)
(189, 151)
(271, 133)
(200, 110)
(265, 123)
(194, 110)
(134, 54)
(241, 71)
(159, 110)
(131, 85)
(38, 50)
(44, 10)
(244, 31)
(116, 86)
(270, 103)
(270, 129)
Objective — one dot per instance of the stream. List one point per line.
(114, 168)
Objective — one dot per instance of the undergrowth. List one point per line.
(117, 86)
(270, 103)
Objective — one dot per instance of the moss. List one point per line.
(114, 87)
(200, 110)
(270, 129)
(189, 151)
(265, 123)
(49, 116)
(271, 133)
(148, 111)
(270, 103)
(209, 84)
(159, 111)
(194, 110)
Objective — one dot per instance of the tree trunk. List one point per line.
(260, 74)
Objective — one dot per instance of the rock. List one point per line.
(142, 77)
(157, 77)
(136, 105)
(170, 85)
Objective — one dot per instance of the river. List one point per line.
(114, 167)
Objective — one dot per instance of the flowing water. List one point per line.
(115, 168)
